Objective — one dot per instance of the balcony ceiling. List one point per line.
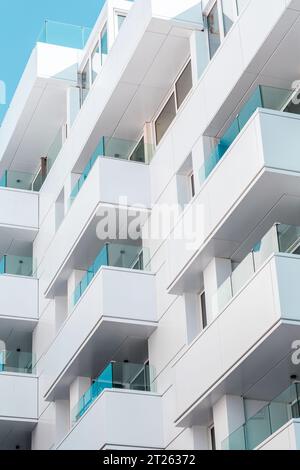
(144, 84)
(37, 109)
(246, 224)
(15, 433)
(262, 375)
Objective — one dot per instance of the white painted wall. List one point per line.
(125, 418)
(25, 303)
(18, 396)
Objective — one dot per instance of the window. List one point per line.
(241, 5)
(214, 37)
(192, 184)
(104, 44)
(203, 309)
(96, 62)
(212, 437)
(184, 84)
(181, 89)
(229, 14)
(165, 118)
(120, 20)
(138, 154)
(85, 81)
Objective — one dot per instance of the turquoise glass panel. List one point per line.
(116, 375)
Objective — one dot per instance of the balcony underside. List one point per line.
(15, 434)
(249, 220)
(268, 367)
(38, 107)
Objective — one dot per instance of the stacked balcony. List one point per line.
(269, 420)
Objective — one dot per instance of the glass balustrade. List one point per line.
(17, 362)
(116, 375)
(16, 265)
(17, 180)
(135, 151)
(263, 97)
(280, 238)
(266, 422)
(64, 34)
(122, 256)
(29, 181)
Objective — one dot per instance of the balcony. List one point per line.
(96, 196)
(280, 239)
(100, 324)
(115, 255)
(118, 418)
(114, 148)
(250, 340)
(115, 376)
(267, 97)
(268, 178)
(18, 406)
(266, 421)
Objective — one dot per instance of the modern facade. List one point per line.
(150, 231)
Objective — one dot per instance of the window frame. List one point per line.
(203, 315)
(118, 12)
(210, 5)
(167, 98)
(89, 58)
(191, 183)
(212, 437)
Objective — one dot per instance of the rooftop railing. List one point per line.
(116, 375)
(266, 422)
(64, 34)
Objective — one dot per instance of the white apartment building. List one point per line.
(179, 119)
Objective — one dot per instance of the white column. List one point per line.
(149, 141)
(228, 415)
(215, 273)
(199, 53)
(61, 311)
(68, 186)
(193, 316)
(73, 105)
(62, 419)
(200, 434)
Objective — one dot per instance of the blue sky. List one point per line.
(20, 24)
